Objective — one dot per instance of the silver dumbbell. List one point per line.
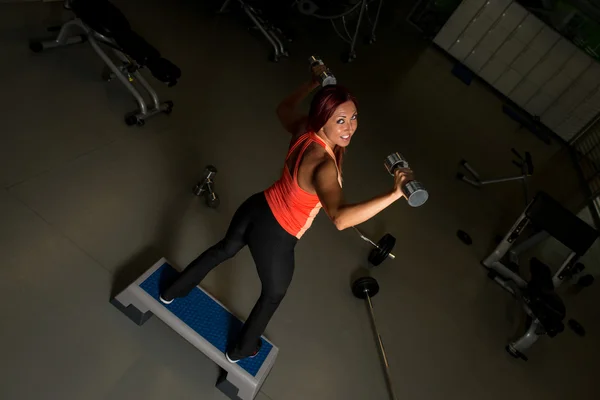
(326, 77)
(415, 192)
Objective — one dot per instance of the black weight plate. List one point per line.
(365, 283)
(576, 327)
(375, 257)
(386, 244)
(464, 237)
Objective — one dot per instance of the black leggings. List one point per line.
(272, 249)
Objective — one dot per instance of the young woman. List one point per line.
(271, 222)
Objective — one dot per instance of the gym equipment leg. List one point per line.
(63, 38)
(143, 109)
(373, 37)
(525, 164)
(265, 27)
(503, 274)
(252, 15)
(224, 6)
(352, 54)
(517, 347)
(365, 288)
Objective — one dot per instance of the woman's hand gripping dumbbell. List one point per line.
(321, 74)
(414, 191)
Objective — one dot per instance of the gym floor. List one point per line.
(85, 198)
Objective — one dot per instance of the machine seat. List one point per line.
(101, 15)
(106, 19)
(545, 304)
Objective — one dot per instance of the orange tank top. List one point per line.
(294, 208)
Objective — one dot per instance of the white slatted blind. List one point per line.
(527, 61)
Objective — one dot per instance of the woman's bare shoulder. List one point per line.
(321, 161)
(317, 154)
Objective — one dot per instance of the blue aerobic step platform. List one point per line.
(204, 322)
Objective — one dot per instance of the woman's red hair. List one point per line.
(322, 107)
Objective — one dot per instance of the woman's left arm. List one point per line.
(342, 214)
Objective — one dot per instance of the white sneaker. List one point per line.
(235, 359)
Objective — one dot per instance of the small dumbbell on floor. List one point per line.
(326, 78)
(206, 187)
(414, 191)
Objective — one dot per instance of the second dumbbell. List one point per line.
(206, 187)
(326, 78)
(414, 191)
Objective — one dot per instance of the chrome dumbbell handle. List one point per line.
(414, 191)
(326, 77)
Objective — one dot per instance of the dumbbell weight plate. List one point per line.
(386, 244)
(326, 78)
(364, 285)
(213, 201)
(393, 160)
(314, 60)
(415, 193)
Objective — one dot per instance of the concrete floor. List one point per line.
(84, 198)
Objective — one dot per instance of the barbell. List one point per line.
(365, 288)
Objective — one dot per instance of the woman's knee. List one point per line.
(228, 247)
(274, 295)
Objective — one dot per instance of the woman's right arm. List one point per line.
(345, 215)
(287, 110)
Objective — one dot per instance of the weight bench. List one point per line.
(102, 23)
(204, 322)
(544, 308)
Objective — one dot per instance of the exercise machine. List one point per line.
(104, 26)
(525, 165)
(366, 287)
(538, 297)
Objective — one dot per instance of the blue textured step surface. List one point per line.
(205, 316)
